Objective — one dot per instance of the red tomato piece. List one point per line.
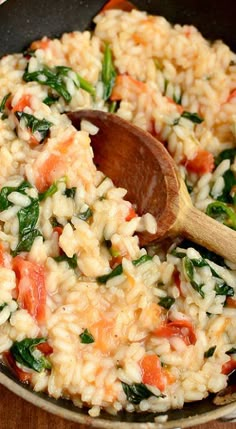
(229, 367)
(230, 302)
(131, 214)
(202, 163)
(124, 5)
(23, 376)
(179, 328)
(31, 287)
(45, 348)
(152, 372)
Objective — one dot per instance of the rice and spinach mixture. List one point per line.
(85, 313)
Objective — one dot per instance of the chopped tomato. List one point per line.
(23, 376)
(40, 44)
(45, 348)
(25, 101)
(229, 367)
(46, 172)
(102, 332)
(230, 302)
(177, 281)
(179, 328)
(63, 146)
(202, 163)
(126, 85)
(131, 215)
(124, 5)
(31, 287)
(231, 96)
(152, 372)
(58, 229)
(178, 106)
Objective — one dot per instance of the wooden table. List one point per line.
(18, 414)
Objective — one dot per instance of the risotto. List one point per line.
(85, 313)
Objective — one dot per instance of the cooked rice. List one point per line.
(177, 70)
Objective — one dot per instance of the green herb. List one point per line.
(54, 222)
(119, 269)
(194, 117)
(177, 254)
(2, 306)
(3, 102)
(50, 99)
(158, 64)
(166, 302)
(229, 183)
(177, 100)
(225, 154)
(72, 262)
(28, 217)
(189, 272)
(6, 190)
(28, 53)
(210, 352)
(231, 351)
(113, 106)
(42, 126)
(108, 72)
(136, 392)
(49, 192)
(205, 253)
(86, 214)
(24, 353)
(54, 78)
(224, 289)
(86, 337)
(222, 213)
(70, 192)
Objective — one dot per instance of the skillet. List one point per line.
(21, 22)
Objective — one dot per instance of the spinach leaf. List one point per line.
(72, 262)
(108, 72)
(194, 117)
(70, 192)
(2, 306)
(85, 85)
(177, 254)
(28, 217)
(23, 352)
(113, 106)
(3, 102)
(222, 213)
(26, 242)
(85, 215)
(35, 124)
(6, 190)
(49, 192)
(166, 302)
(54, 78)
(189, 272)
(231, 351)
(136, 392)
(86, 337)
(54, 222)
(205, 253)
(141, 260)
(50, 99)
(210, 352)
(229, 183)
(226, 154)
(224, 289)
(119, 269)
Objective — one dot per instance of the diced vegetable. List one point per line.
(179, 328)
(142, 260)
(70, 192)
(26, 242)
(86, 337)
(24, 101)
(85, 85)
(108, 72)
(31, 287)
(2, 306)
(136, 392)
(202, 163)
(194, 117)
(152, 372)
(231, 302)
(229, 367)
(23, 376)
(210, 352)
(86, 214)
(42, 126)
(51, 99)
(222, 213)
(113, 106)
(24, 353)
(124, 5)
(166, 302)
(49, 192)
(4, 101)
(231, 351)
(126, 85)
(132, 214)
(40, 44)
(6, 190)
(45, 171)
(72, 262)
(224, 289)
(205, 253)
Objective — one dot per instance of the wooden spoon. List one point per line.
(136, 161)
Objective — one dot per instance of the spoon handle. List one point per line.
(209, 233)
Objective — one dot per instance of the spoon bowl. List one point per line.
(138, 162)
